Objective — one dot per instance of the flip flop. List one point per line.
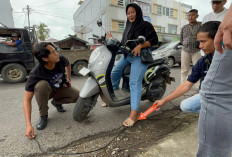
(129, 122)
(104, 105)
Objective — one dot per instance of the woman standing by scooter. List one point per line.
(135, 26)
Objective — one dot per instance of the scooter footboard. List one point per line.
(90, 88)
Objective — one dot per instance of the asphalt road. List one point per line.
(62, 130)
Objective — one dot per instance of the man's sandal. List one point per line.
(129, 122)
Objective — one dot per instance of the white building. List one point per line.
(167, 17)
(6, 16)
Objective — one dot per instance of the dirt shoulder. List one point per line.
(166, 134)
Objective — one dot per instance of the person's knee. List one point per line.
(184, 106)
(76, 95)
(43, 86)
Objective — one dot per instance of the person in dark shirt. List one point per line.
(206, 37)
(48, 80)
(135, 27)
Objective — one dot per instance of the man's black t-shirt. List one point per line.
(54, 77)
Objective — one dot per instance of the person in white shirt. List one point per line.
(218, 13)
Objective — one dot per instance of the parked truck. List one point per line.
(16, 63)
(77, 58)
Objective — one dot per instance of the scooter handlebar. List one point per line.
(125, 49)
(96, 36)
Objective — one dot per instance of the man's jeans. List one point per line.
(137, 73)
(192, 104)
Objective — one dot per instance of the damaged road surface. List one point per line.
(125, 142)
(103, 124)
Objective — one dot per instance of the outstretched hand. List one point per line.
(159, 103)
(30, 132)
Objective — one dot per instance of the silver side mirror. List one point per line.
(141, 39)
(179, 47)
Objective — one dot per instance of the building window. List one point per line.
(171, 12)
(159, 9)
(127, 2)
(172, 29)
(159, 29)
(120, 26)
(120, 2)
(167, 11)
(184, 15)
(117, 26)
(175, 13)
(117, 2)
(163, 29)
(164, 9)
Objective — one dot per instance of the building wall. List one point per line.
(6, 16)
(87, 15)
(112, 13)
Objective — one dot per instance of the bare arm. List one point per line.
(9, 43)
(224, 33)
(68, 73)
(180, 90)
(181, 36)
(27, 113)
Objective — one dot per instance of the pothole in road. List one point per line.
(131, 141)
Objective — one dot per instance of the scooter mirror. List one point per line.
(99, 23)
(141, 39)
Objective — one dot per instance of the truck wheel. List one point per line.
(78, 66)
(83, 106)
(14, 73)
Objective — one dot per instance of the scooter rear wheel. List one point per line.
(83, 106)
(157, 90)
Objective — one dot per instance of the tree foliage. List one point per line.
(42, 31)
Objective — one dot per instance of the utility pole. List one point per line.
(28, 13)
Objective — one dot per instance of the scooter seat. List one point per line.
(158, 62)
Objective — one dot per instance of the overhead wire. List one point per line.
(52, 13)
(62, 23)
(48, 3)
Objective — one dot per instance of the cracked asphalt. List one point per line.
(64, 134)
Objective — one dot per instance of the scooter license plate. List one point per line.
(84, 71)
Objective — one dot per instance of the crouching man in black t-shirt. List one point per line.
(48, 80)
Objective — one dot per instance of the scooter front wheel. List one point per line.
(83, 106)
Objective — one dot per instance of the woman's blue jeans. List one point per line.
(137, 73)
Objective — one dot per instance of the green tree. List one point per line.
(42, 31)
